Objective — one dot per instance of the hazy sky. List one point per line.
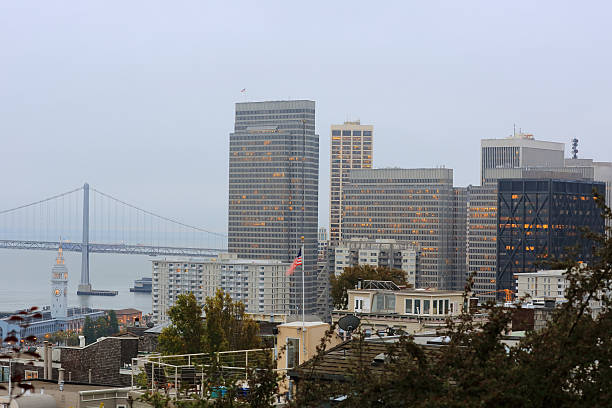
(137, 97)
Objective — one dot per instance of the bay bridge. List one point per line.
(87, 220)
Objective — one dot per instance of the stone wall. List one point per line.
(104, 358)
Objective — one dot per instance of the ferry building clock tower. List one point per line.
(59, 287)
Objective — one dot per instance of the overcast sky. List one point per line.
(137, 97)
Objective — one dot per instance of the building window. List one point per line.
(293, 352)
(417, 306)
(435, 307)
(358, 304)
(384, 303)
(446, 302)
(408, 305)
(31, 374)
(426, 306)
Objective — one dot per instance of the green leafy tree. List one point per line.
(185, 334)
(64, 338)
(102, 327)
(228, 327)
(351, 275)
(113, 322)
(89, 330)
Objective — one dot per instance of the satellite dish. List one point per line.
(349, 323)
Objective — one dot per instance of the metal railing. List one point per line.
(166, 371)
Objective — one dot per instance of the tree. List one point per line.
(89, 330)
(64, 338)
(185, 334)
(351, 275)
(228, 327)
(566, 364)
(102, 327)
(113, 323)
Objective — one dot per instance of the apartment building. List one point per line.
(262, 285)
(377, 252)
(543, 285)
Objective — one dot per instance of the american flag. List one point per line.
(296, 262)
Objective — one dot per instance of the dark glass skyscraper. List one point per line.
(539, 219)
(273, 187)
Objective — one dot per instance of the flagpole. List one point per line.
(303, 291)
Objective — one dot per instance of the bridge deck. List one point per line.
(111, 248)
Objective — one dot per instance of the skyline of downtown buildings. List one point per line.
(455, 228)
(273, 201)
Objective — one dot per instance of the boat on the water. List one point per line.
(143, 285)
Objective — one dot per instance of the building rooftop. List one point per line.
(412, 291)
(550, 272)
(336, 363)
(220, 259)
(127, 311)
(299, 323)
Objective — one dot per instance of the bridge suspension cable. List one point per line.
(161, 217)
(41, 201)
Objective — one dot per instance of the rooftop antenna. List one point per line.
(574, 148)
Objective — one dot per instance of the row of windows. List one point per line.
(336, 132)
(271, 111)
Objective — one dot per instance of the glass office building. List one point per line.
(538, 220)
(273, 188)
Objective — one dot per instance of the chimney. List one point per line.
(45, 357)
(50, 362)
(60, 376)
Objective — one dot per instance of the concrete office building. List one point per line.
(416, 206)
(482, 240)
(273, 188)
(377, 252)
(262, 285)
(350, 148)
(519, 150)
(539, 219)
(601, 171)
(323, 243)
(459, 238)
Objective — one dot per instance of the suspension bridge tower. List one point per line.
(85, 285)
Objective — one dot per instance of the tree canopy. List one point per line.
(106, 325)
(186, 333)
(225, 326)
(353, 274)
(228, 327)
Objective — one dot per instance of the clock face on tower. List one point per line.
(57, 292)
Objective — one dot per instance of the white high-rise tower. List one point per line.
(59, 287)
